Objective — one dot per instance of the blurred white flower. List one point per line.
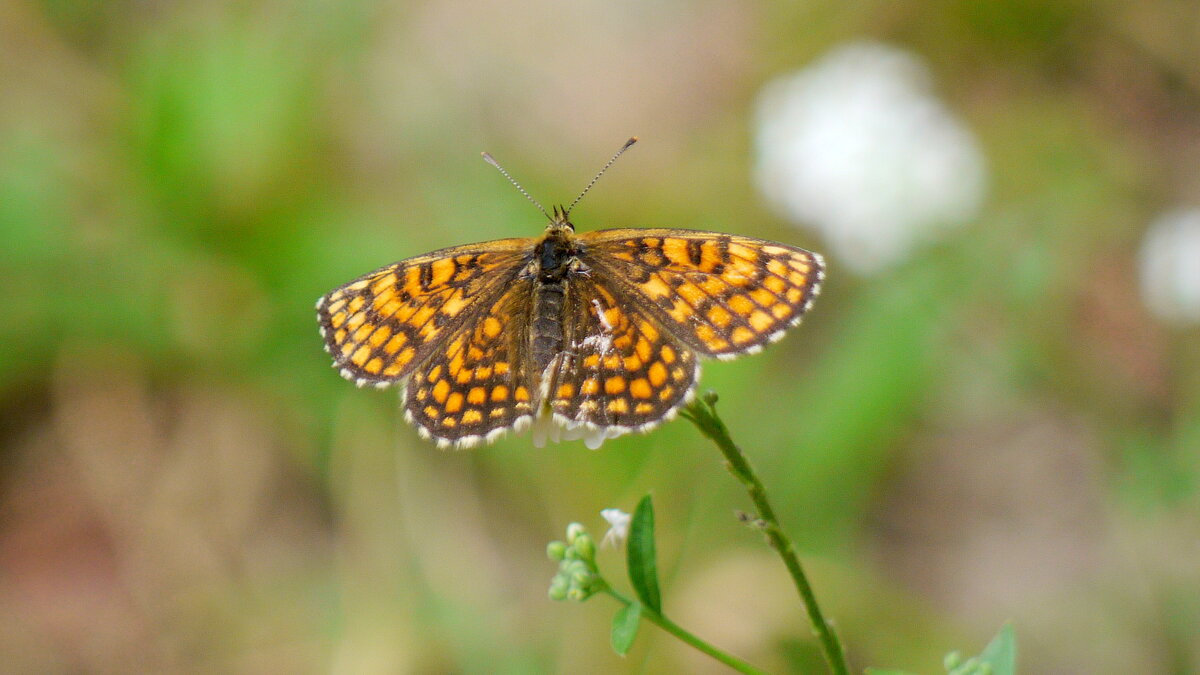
(1170, 266)
(857, 147)
(618, 530)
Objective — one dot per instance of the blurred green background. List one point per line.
(994, 428)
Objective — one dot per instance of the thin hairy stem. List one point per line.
(703, 413)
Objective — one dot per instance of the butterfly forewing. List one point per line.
(721, 294)
(379, 327)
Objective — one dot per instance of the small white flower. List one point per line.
(857, 147)
(618, 530)
(1170, 266)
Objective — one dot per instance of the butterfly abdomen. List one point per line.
(546, 336)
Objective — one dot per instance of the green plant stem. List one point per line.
(679, 632)
(703, 413)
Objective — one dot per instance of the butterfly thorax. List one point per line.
(555, 252)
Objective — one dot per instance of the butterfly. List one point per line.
(592, 335)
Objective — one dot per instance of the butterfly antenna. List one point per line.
(492, 160)
(625, 147)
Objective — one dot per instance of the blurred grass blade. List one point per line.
(1001, 652)
(886, 671)
(643, 570)
(625, 627)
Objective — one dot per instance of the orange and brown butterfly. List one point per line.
(593, 335)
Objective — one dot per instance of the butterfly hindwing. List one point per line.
(478, 383)
(619, 370)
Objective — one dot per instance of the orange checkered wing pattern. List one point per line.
(476, 385)
(620, 371)
(379, 327)
(720, 294)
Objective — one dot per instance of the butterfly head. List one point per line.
(560, 220)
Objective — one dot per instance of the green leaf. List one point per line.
(643, 570)
(1001, 652)
(886, 671)
(625, 627)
